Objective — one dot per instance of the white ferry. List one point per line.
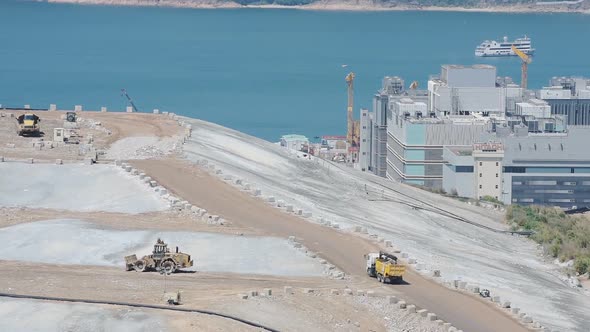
(504, 48)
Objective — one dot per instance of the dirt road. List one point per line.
(343, 250)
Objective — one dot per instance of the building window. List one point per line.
(364, 139)
(496, 196)
(480, 163)
(464, 169)
(479, 174)
(497, 163)
(364, 127)
(364, 153)
(480, 187)
(496, 174)
(496, 188)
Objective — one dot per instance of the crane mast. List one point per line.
(349, 110)
(526, 60)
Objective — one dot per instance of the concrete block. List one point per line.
(452, 329)
(411, 261)
(348, 291)
(142, 176)
(462, 284)
(288, 290)
(323, 261)
(78, 108)
(431, 316)
(364, 230)
(299, 212)
(31, 161)
(527, 319)
(156, 111)
(129, 109)
(147, 179)
(506, 304)
(238, 182)
(456, 283)
(475, 289)
(247, 186)
(536, 325)
(243, 296)
(52, 107)
(388, 243)
(391, 299)
(446, 326)
(306, 214)
(404, 255)
(336, 225)
(308, 291)
(188, 207)
(297, 245)
(103, 109)
(420, 267)
(291, 238)
(496, 299)
(128, 169)
(88, 161)
(134, 171)
(371, 293)
(439, 322)
(228, 177)
(165, 113)
(357, 229)
(436, 273)
(267, 292)
(289, 208)
(411, 308)
(27, 107)
(257, 192)
(163, 191)
(253, 293)
(515, 310)
(194, 209)
(280, 203)
(360, 292)
(335, 292)
(10, 145)
(422, 312)
(153, 184)
(402, 305)
(218, 171)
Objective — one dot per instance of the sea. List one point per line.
(265, 72)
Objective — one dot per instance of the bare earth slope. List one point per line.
(510, 266)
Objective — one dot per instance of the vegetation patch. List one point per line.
(563, 236)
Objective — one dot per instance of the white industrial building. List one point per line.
(533, 107)
(462, 90)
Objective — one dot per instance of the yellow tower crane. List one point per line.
(353, 130)
(526, 60)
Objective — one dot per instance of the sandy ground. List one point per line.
(104, 128)
(76, 187)
(72, 241)
(511, 267)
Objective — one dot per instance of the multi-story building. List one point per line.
(374, 129)
(415, 142)
(569, 97)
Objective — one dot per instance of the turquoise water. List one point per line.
(264, 72)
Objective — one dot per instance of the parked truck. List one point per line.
(385, 267)
(28, 124)
(161, 259)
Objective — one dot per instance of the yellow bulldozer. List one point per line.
(161, 260)
(28, 124)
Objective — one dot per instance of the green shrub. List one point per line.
(582, 264)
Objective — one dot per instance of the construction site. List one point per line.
(125, 221)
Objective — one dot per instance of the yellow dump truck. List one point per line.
(28, 124)
(385, 267)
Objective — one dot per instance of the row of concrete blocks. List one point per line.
(430, 316)
(329, 269)
(521, 316)
(79, 108)
(32, 160)
(266, 292)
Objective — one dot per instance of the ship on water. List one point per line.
(504, 48)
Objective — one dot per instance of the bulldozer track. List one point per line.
(139, 305)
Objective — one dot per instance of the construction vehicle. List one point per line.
(161, 259)
(526, 60)
(385, 267)
(28, 124)
(414, 85)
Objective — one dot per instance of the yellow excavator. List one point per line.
(526, 60)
